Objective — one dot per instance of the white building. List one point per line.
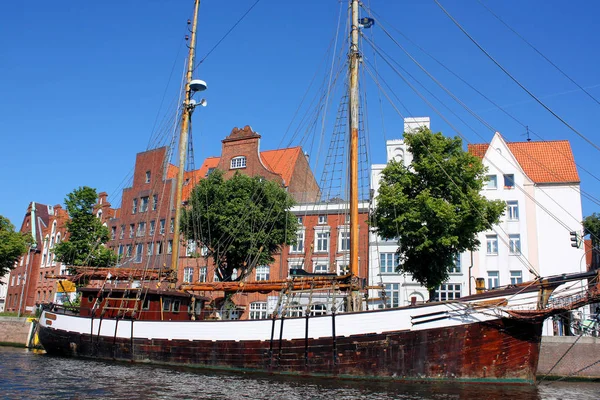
(540, 185)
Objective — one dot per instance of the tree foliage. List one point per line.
(242, 221)
(86, 234)
(434, 207)
(12, 245)
(591, 225)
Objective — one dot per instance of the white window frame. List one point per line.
(491, 242)
(449, 291)
(491, 182)
(299, 246)
(134, 206)
(514, 244)
(203, 274)
(321, 244)
(392, 295)
(516, 277)
(387, 268)
(456, 269)
(295, 263)
(322, 219)
(139, 252)
(238, 162)
(512, 210)
(493, 279)
(144, 201)
(263, 273)
(188, 274)
(320, 267)
(258, 310)
(343, 240)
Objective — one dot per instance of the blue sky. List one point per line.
(83, 83)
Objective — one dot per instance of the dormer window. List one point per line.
(238, 162)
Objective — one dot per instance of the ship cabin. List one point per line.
(152, 304)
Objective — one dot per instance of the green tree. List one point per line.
(242, 221)
(12, 245)
(591, 225)
(86, 234)
(434, 207)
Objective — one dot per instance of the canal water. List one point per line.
(25, 374)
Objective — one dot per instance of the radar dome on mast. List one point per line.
(197, 85)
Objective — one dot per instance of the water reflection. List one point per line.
(24, 374)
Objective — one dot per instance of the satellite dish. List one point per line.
(197, 85)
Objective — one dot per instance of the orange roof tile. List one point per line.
(282, 161)
(193, 177)
(542, 162)
(172, 171)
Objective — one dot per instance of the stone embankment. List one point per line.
(14, 331)
(570, 357)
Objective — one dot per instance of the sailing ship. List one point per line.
(492, 336)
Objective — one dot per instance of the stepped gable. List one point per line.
(543, 161)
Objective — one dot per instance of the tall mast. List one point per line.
(354, 61)
(183, 142)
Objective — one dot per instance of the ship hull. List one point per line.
(503, 350)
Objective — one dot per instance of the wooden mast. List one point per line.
(353, 100)
(183, 143)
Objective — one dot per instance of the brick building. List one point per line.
(27, 282)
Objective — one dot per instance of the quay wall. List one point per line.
(14, 331)
(580, 357)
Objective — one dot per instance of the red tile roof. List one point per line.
(542, 162)
(282, 161)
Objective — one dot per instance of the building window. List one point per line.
(322, 219)
(202, 274)
(150, 248)
(342, 267)
(392, 295)
(512, 210)
(322, 239)
(134, 207)
(141, 229)
(144, 204)
(120, 251)
(238, 162)
(493, 279)
(113, 233)
(191, 247)
(172, 226)
(516, 277)
(147, 176)
(170, 247)
(296, 263)
(491, 182)
(299, 246)
(139, 249)
(154, 201)
(167, 305)
(262, 273)
(388, 262)
(152, 227)
(344, 240)
(128, 251)
(122, 233)
(188, 274)
(448, 291)
(318, 309)
(159, 248)
(509, 181)
(492, 244)
(162, 227)
(455, 269)
(209, 171)
(131, 230)
(258, 310)
(294, 310)
(320, 267)
(299, 220)
(514, 244)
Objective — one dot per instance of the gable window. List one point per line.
(238, 162)
(258, 310)
(262, 273)
(147, 176)
(493, 279)
(514, 244)
(509, 181)
(134, 206)
(144, 204)
(512, 210)
(491, 182)
(188, 274)
(492, 244)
